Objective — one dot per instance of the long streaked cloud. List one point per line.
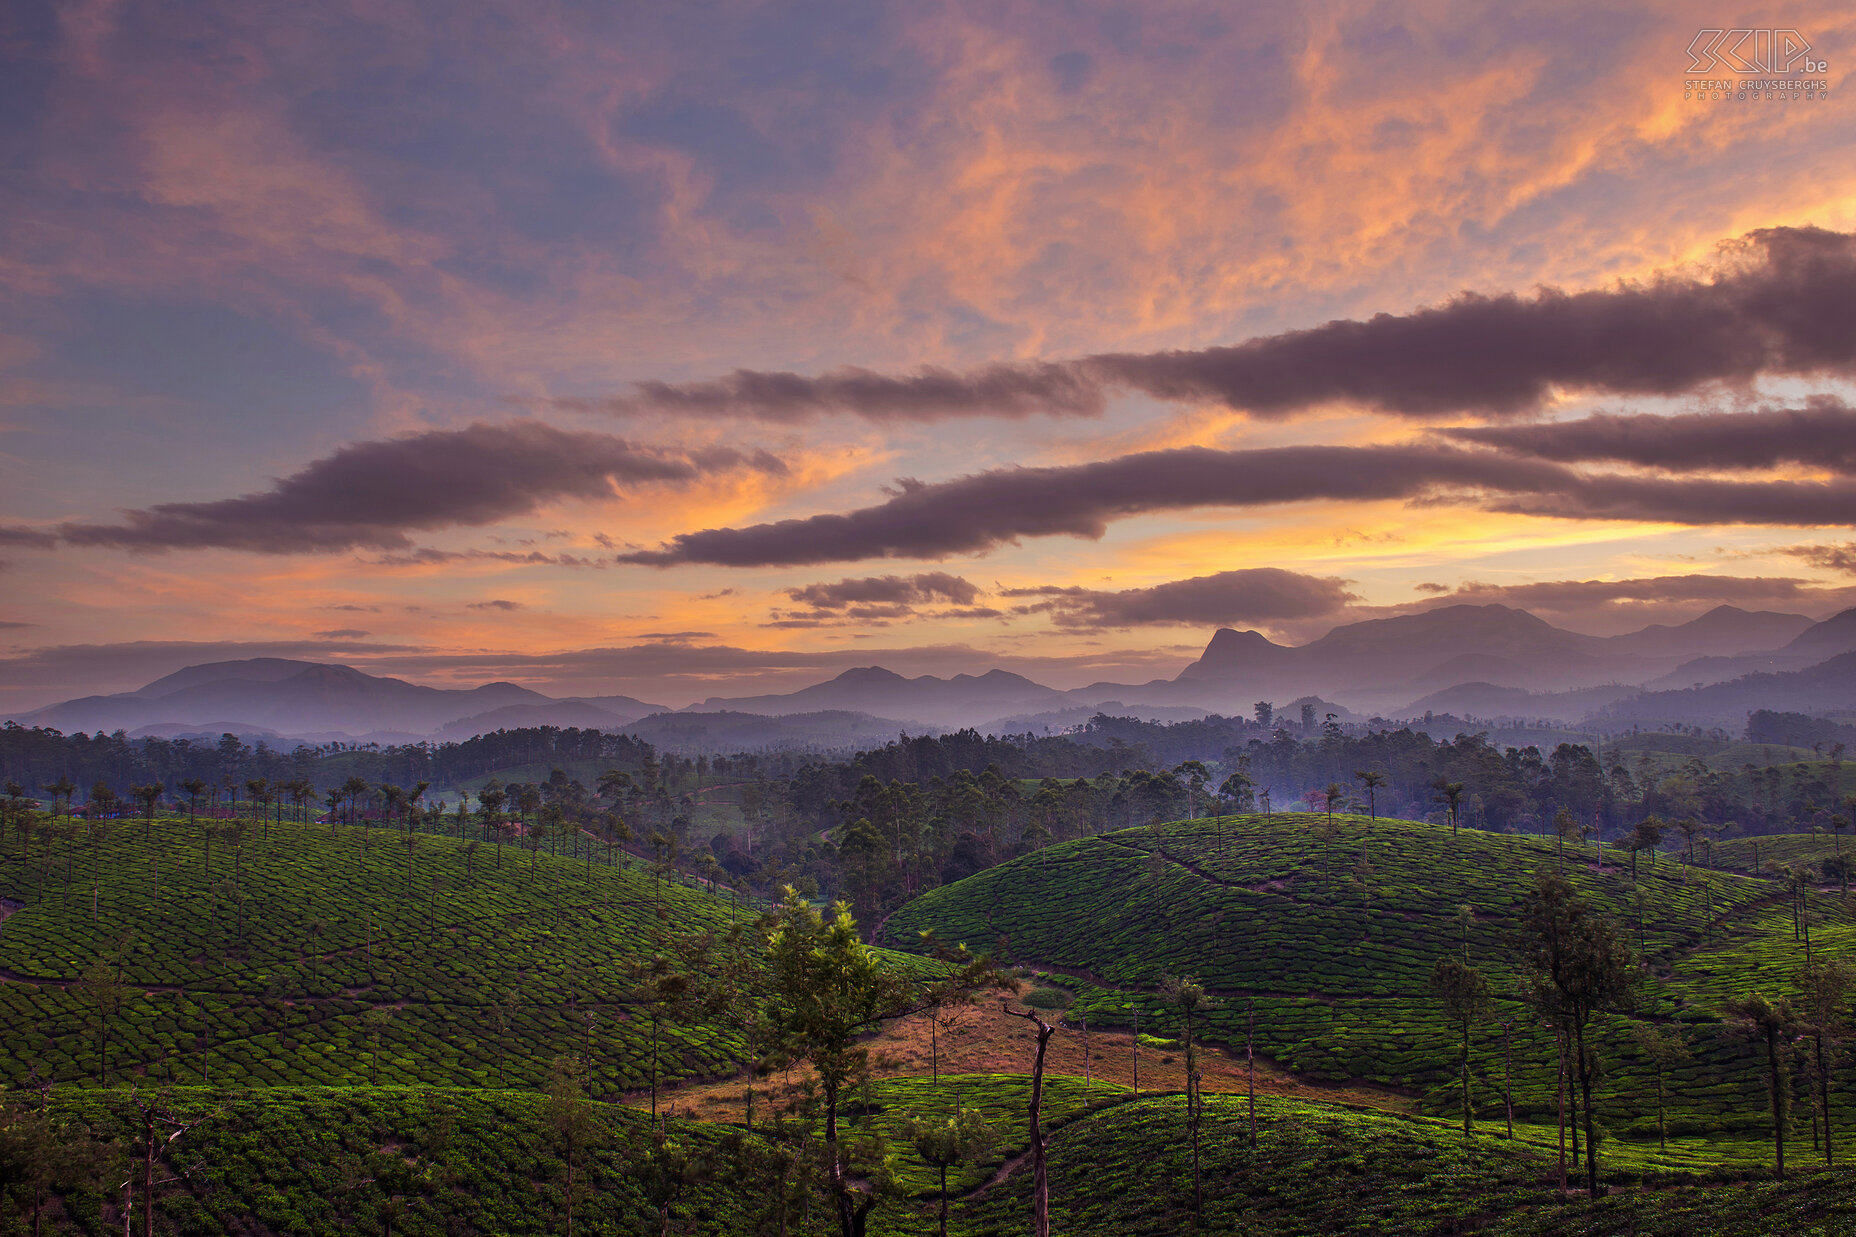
(27, 538)
(1697, 587)
(1822, 434)
(1001, 390)
(1692, 500)
(978, 512)
(1249, 595)
(1775, 306)
(372, 494)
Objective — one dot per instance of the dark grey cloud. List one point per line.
(371, 494)
(1562, 595)
(929, 394)
(1821, 434)
(1778, 305)
(977, 512)
(341, 633)
(428, 556)
(1775, 304)
(1835, 556)
(28, 538)
(919, 589)
(495, 603)
(1693, 500)
(1248, 595)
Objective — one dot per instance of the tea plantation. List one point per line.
(306, 955)
(1328, 933)
(365, 1030)
(1318, 1169)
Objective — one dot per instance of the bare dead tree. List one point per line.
(1040, 1177)
(154, 1128)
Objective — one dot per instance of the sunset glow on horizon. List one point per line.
(713, 350)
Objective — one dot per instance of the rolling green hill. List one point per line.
(376, 1022)
(1329, 934)
(319, 955)
(1126, 1172)
(1753, 854)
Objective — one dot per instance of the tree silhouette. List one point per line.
(42, 1153)
(1040, 1173)
(1823, 1009)
(154, 1130)
(1189, 998)
(101, 990)
(148, 796)
(1574, 964)
(1663, 1048)
(195, 787)
(490, 802)
(1372, 780)
(666, 991)
(1770, 1022)
(63, 788)
(1465, 996)
(1451, 795)
(572, 1128)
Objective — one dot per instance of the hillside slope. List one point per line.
(315, 954)
(1330, 938)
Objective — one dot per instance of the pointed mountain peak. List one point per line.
(1230, 653)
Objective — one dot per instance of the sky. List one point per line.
(713, 348)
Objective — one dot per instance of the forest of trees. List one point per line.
(889, 823)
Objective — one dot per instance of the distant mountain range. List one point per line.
(1489, 661)
(945, 703)
(309, 699)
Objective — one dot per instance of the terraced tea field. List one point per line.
(1329, 935)
(1126, 1171)
(311, 955)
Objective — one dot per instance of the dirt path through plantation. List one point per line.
(989, 1042)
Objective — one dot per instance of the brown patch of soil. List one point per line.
(990, 1042)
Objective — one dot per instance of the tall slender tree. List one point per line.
(1770, 1023)
(1823, 1008)
(1663, 1048)
(1465, 996)
(1188, 998)
(1575, 963)
(1371, 780)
